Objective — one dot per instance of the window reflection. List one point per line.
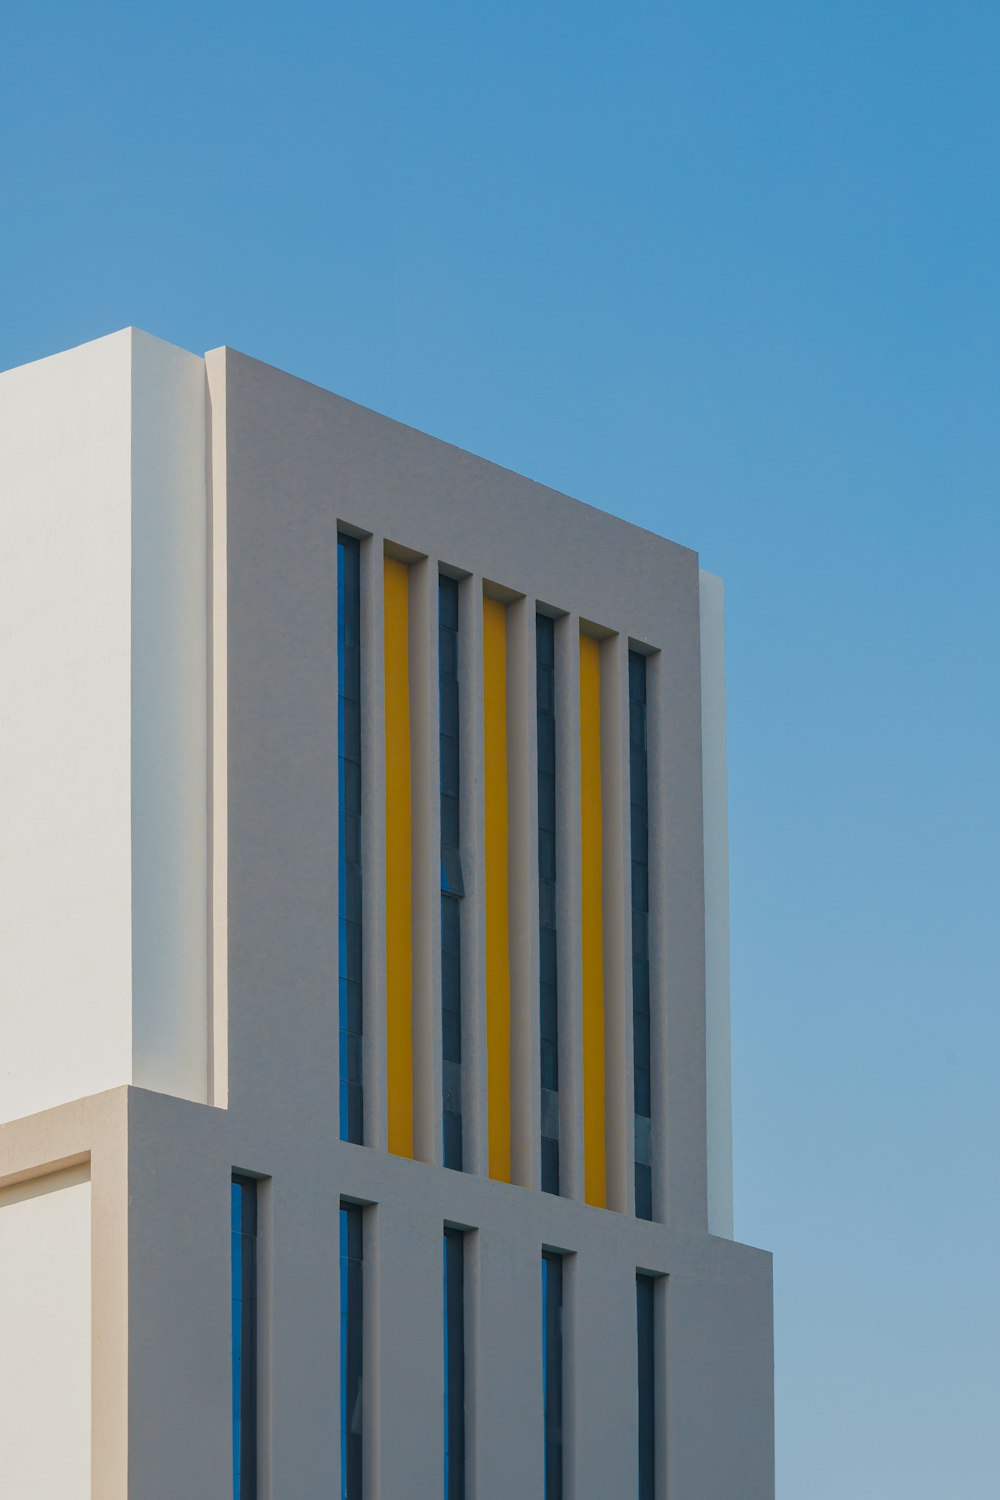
(349, 847)
(548, 995)
(552, 1371)
(351, 1349)
(452, 883)
(641, 1032)
(645, 1291)
(454, 1364)
(243, 1236)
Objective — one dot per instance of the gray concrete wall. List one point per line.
(299, 462)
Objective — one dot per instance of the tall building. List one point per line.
(364, 1039)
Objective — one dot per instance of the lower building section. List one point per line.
(291, 1316)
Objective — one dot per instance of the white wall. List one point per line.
(716, 802)
(103, 708)
(45, 1318)
(169, 720)
(65, 705)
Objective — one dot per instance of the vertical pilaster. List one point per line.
(523, 894)
(218, 621)
(568, 905)
(506, 1299)
(181, 1364)
(298, 1380)
(592, 923)
(676, 923)
(406, 1382)
(602, 1345)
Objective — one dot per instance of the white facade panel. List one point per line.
(65, 709)
(103, 725)
(45, 1338)
(170, 707)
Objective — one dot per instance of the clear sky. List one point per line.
(729, 269)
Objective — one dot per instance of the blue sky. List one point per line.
(731, 271)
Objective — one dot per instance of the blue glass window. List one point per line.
(349, 824)
(454, 1364)
(452, 885)
(645, 1295)
(548, 996)
(243, 1237)
(351, 1349)
(641, 1034)
(552, 1371)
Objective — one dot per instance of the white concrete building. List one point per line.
(364, 1037)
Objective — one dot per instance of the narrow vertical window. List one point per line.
(454, 1364)
(349, 825)
(351, 1346)
(452, 887)
(645, 1294)
(548, 995)
(243, 1222)
(592, 925)
(552, 1371)
(640, 936)
(496, 881)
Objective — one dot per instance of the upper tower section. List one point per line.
(351, 779)
(104, 714)
(480, 722)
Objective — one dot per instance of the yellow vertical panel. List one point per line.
(592, 899)
(497, 885)
(398, 861)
